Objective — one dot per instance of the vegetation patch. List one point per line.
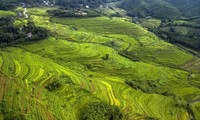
(100, 111)
(183, 32)
(147, 86)
(57, 83)
(9, 34)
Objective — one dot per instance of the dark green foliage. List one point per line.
(189, 8)
(150, 118)
(190, 40)
(10, 35)
(180, 102)
(105, 57)
(172, 30)
(156, 8)
(6, 6)
(162, 8)
(6, 21)
(9, 114)
(66, 79)
(130, 55)
(58, 82)
(100, 111)
(147, 86)
(2, 107)
(125, 53)
(53, 86)
(89, 66)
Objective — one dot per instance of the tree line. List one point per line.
(6, 6)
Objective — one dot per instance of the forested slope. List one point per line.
(162, 8)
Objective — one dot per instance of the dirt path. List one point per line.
(2, 86)
(25, 11)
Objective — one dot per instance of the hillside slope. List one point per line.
(100, 59)
(162, 8)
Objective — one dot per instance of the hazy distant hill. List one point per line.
(188, 8)
(162, 8)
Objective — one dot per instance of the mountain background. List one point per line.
(139, 8)
(162, 8)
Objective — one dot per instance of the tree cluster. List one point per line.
(9, 34)
(100, 111)
(9, 114)
(106, 57)
(147, 86)
(53, 86)
(58, 82)
(6, 6)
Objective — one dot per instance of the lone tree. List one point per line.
(105, 57)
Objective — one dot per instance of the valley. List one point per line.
(102, 67)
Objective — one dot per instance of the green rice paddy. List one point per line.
(6, 13)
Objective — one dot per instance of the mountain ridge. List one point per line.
(162, 8)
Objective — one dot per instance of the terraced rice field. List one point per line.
(75, 56)
(6, 13)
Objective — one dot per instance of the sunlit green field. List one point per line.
(75, 55)
(6, 13)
